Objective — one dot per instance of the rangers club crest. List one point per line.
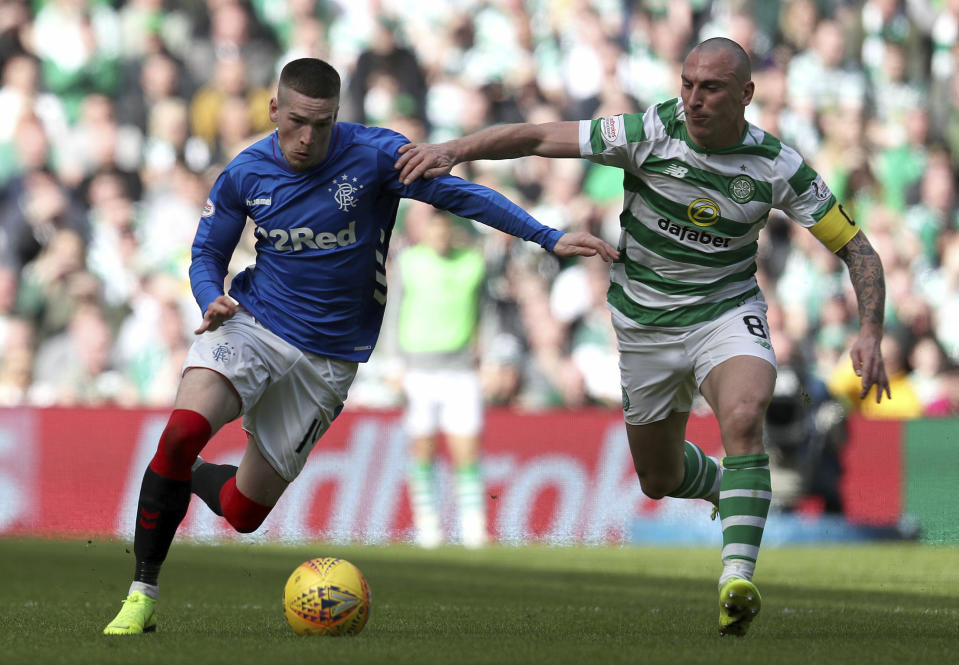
(224, 353)
(345, 190)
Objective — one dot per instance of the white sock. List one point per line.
(151, 590)
(739, 568)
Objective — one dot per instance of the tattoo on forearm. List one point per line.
(866, 275)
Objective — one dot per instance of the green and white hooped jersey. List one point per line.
(691, 216)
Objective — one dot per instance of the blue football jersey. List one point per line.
(319, 280)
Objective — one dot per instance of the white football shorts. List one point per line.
(443, 400)
(660, 370)
(290, 397)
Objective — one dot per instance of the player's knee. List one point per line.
(243, 513)
(654, 485)
(743, 420)
(185, 435)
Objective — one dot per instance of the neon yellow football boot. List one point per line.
(137, 616)
(739, 603)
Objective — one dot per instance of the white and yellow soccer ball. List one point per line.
(326, 596)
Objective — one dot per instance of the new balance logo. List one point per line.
(676, 170)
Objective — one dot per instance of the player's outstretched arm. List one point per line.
(866, 274)
(551, 139)
(218, 311)
(584, 244)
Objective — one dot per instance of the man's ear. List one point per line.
(748, 89)
(274, 110)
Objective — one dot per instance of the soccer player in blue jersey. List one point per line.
(282, 348)
(688, 313)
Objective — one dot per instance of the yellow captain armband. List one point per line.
(835, 229)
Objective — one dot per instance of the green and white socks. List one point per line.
(471, 503)
(744, 497)
(702, 477)
(426, 516)
(471, 499)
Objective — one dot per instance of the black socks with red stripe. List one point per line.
(165, 491)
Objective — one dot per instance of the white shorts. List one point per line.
(443, 400)
(289, 397)
(660, 370)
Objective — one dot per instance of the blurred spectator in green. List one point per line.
(151, 26)
(78, 43)
(153, 341)
(822, 77)
(900, 164)
(941, 288)
(936, 211)
(21, 98)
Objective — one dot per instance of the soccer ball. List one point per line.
(326, 596)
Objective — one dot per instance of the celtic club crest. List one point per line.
(345, 190)
(742, 189)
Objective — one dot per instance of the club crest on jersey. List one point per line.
(742, 189)
(345, 190)
(208, 209)
(703, 212)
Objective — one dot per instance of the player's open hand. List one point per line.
(584, 244)
(868, 364)
(218, 311)
(427, 160)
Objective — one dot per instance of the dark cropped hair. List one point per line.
(311, 77)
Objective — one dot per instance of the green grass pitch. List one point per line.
(870, 604)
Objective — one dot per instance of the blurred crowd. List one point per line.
(116, 116)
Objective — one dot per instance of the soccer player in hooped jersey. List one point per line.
(282, 348)
(699, 183)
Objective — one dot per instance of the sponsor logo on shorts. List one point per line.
(691, 236)
(703, 212)
(224, 353)
(742, 189)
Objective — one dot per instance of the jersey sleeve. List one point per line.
(613, 140)
(468, 200)
(808, 201)
(217, 235)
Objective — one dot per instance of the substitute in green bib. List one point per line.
(440, 283)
